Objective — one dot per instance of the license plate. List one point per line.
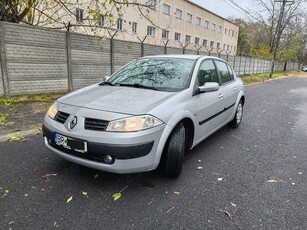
(70, 143)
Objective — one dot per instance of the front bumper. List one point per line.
(97, 151)
(132, 152)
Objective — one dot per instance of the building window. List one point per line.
(196, 41)
(135, 1)
(212, 44)
(234, 49)
(218, 45)
(233, 33)
(152, 4)
(206, 24)
(178, 13)
(205, 42)
(151, 31)
(213, 27)
(177, 36)
(219, 29)
(231, 48)
(165, 34)
(226, 31)
(120, 24)
(227, 47)
(187, 39)
(229, 31)
(189, 17)
(224, 47)
(101, 20)
(198, 21)
(134, 27)
(166, 9)
(79, 15)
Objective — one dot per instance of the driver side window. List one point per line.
(207, 73)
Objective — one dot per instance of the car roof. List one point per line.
(183, 56)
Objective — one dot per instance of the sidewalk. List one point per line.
(23, 119)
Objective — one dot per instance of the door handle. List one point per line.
(235, 89)
(221, 96)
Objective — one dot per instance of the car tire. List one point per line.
(174, 152)
(238, 116)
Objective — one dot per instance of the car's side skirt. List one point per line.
(215, 115)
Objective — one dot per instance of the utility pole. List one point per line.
(279, 32)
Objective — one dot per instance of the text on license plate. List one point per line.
(70, 143)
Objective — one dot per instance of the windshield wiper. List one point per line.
(136, 85)
(106, 83)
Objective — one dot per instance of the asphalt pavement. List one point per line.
(253, 177)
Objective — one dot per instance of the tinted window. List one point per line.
(223, 71)
(163, 74)
(207, 72)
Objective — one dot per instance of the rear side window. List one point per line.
(223, 70)
(230, 72)
(207, 72)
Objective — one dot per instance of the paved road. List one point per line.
(263, 166)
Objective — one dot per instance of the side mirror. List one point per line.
(105, 78)
(209, 87)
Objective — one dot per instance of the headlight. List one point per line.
(52, 111)
(133, 124)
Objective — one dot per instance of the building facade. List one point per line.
(176, 23)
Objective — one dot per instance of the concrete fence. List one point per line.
(38, 60)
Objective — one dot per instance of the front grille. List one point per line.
(95, 124)
(61, 117)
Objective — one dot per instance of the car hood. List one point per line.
(119, 99)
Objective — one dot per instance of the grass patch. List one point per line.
(11, 102)
(3, 118)
(261, 77)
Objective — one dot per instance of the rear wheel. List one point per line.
(238, 116)
(174, 152)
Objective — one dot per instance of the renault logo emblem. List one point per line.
(73, 122)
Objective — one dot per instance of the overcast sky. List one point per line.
(225, 8)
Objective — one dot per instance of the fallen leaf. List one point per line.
(177, 193)
(26, 195)
(84, 194)
(12, 222)
(15, 138)
(199, 168)
(69, 199)
(222, 147)
(116, 196)
(96, 175)
(228, 214)
(6, 192)
(300, 173)
(48, 175)
(274, 180)
(233, 205)
(199, 161)
(220, 179)
(39, 132)
(24, 140)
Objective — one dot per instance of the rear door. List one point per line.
(229, 88)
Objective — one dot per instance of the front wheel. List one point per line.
(174, 152)
(238, 116)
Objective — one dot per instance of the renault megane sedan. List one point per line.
(150, 112)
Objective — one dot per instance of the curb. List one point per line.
(24, 133)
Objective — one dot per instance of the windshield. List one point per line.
(165, 74)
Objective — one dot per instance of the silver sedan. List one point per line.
(150, 112)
